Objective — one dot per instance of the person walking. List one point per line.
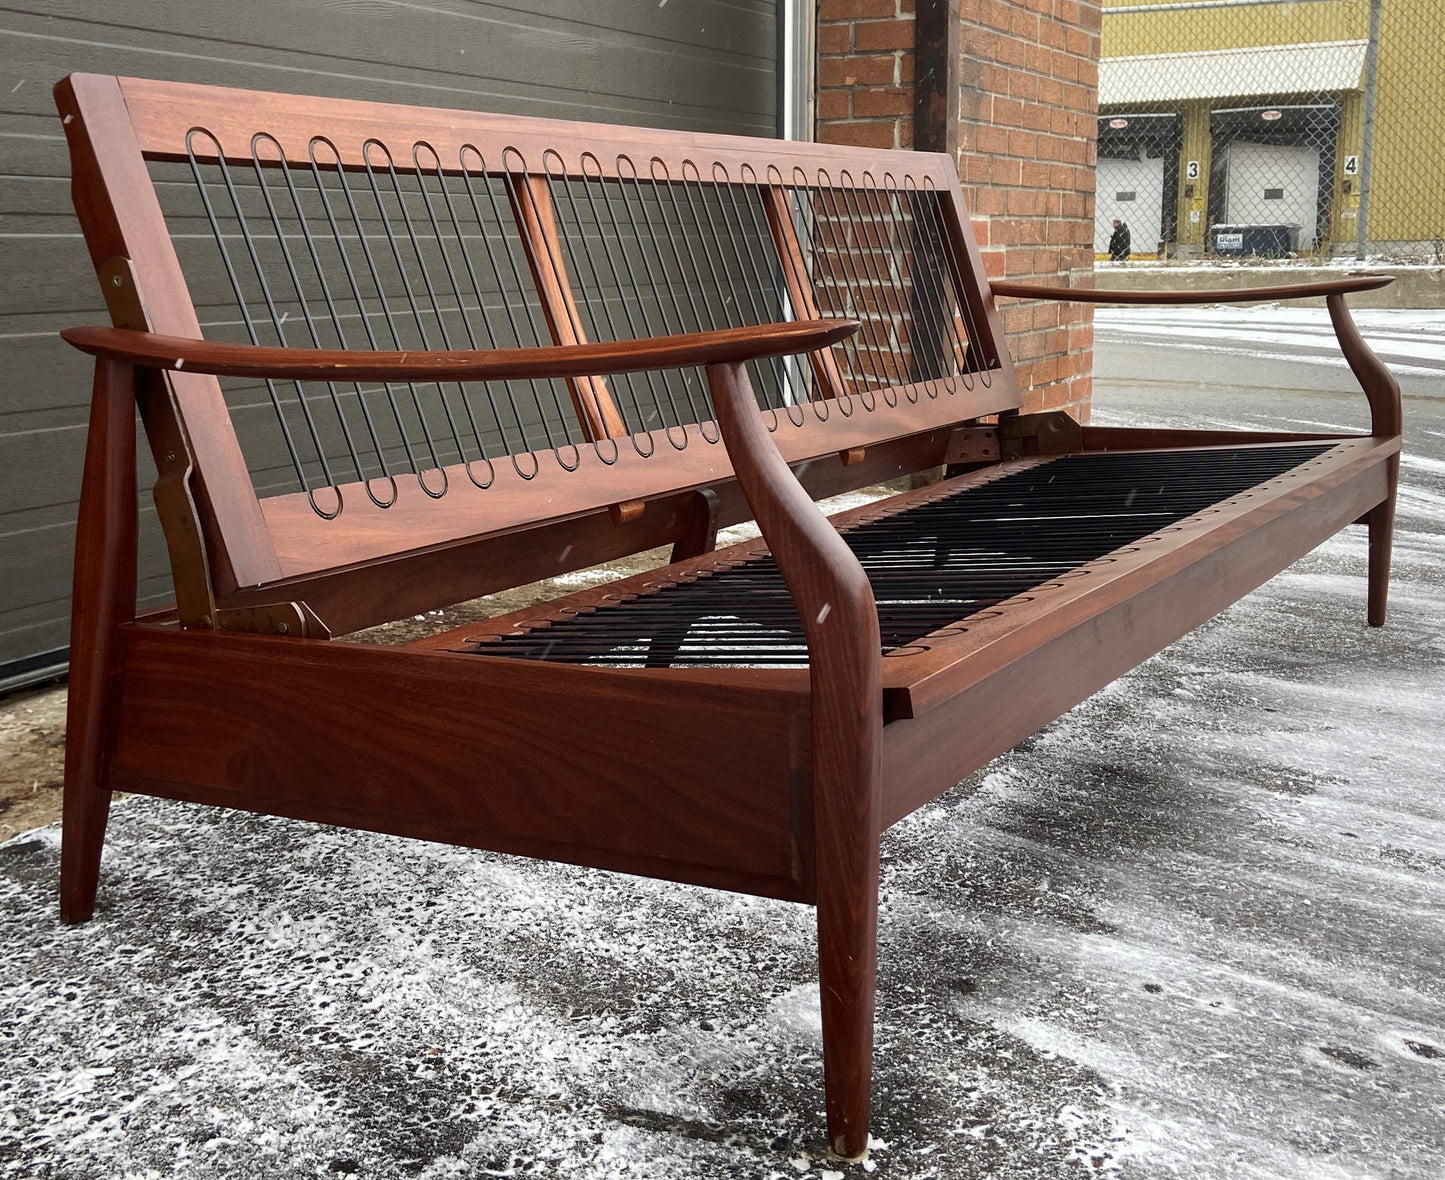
(1119, 242)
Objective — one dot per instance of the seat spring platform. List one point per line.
(931, 566)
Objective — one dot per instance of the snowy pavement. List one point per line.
(1412, 343)
(1193, 929)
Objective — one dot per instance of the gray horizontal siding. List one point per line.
(703, 65)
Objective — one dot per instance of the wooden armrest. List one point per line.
(1238, 295)
(729, 345)
(1381, 389)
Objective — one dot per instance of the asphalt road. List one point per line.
(1264, 367)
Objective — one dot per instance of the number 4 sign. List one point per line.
(1352, 165)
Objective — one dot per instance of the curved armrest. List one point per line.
(1343, 286)
(1381, 389)
(573, 360)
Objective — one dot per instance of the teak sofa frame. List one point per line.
(774, 779)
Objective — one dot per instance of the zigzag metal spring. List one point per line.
(933, 566)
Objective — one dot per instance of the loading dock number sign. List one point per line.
(1352, 165)
(1191, 169)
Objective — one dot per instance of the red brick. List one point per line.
(1003, 171)
(1038, 118)
(854, 71)
(878, 134)
(1007, 112)
(883, 34)
(1005, 231)
(835, 39)
(991, 140)
(1023, 144)
(989, 202)
(1023, 85)
(1078, 43)
(894, 100)
(1020, 203)
(1034, 175)
(853, 9)
(833, 104)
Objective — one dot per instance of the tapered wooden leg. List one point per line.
(847, 971)
(1381, 523)
(847, 809)
(103, 597)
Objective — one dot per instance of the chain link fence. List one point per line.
(1272, 129)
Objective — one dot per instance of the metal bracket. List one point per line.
(1050, 433)
(122, 296)
(972, 444)
(295, 619)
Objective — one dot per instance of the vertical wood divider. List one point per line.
(800, 288)
(531, 198)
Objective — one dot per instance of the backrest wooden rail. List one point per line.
(325, 223)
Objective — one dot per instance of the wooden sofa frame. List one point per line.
(772, 780)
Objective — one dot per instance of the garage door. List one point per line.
(1133, 191)
(1273, 184)
(706, 65)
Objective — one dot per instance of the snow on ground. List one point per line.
(1409, 341)
(1193, 929)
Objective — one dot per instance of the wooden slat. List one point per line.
(165, 111)
(1064, 656)
(560, 608)
(666, 778)
(800, 288)
(363, 532)
(393, 585)
(532, 203)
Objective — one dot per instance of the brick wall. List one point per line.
(1026, 73)
(865, 72)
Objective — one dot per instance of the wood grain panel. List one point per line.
(666, 778)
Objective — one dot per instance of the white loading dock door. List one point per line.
(1273, 184)
(1133, 191)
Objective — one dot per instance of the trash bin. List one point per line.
(1262, 241)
